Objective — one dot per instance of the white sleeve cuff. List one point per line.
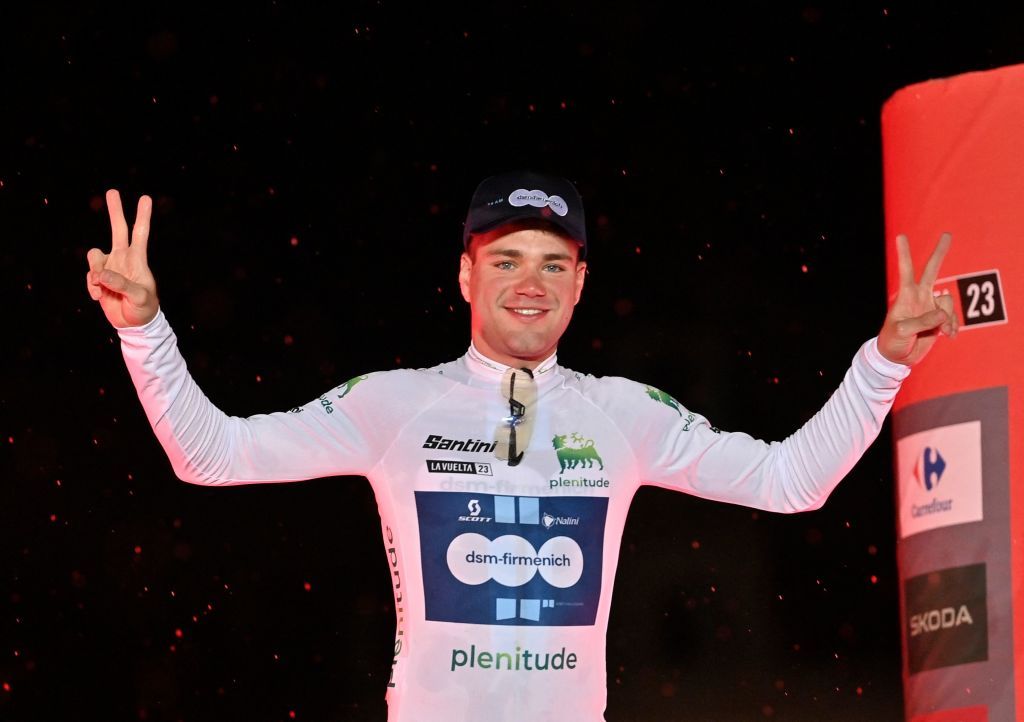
(145, 328)
(881, 365)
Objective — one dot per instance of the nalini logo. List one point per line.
(549, 520)
(929, 467)
(573, 450)
(538, 199)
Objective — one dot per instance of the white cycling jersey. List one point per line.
(503, 574)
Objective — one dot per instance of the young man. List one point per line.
(503, 479)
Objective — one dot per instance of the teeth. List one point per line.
(526, 311)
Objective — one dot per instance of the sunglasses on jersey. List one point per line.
(513, 433)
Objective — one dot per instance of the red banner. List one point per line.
(954, 161)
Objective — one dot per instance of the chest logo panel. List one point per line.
(511, 560)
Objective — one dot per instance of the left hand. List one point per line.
(917, 316)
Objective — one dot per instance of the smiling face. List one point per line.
(522, 284)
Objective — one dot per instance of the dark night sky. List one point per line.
(310, 167)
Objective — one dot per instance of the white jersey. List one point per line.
(503, 574)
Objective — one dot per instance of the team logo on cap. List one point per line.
(538, 199)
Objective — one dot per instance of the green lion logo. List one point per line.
(581, 452)
(659, 395)
(350, 384)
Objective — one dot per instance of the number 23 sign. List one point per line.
(979, 296)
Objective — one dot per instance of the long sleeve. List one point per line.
(680, 450)
(338, 433)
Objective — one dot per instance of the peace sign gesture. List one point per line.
(917, 315)
(121, 280)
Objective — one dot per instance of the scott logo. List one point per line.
(474, 512)
(936, 619)
(581, 452)
(929, 468)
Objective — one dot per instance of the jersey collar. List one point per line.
(488, 369)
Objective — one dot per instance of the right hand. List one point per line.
(121, 280)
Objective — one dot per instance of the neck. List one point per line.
(520, 362)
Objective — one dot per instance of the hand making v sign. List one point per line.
(121, 280)
(917, 315)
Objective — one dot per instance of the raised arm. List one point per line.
(205, 445)
(798, 474)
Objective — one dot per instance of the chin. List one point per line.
(530, 349)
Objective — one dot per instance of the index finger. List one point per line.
(118, 226)
(906, 263)
(931, 269)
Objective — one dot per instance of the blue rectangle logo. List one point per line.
(507, 560)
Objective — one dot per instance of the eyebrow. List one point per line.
(513, 253)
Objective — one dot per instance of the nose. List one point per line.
(530, 284)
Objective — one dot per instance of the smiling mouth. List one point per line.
(527, 311)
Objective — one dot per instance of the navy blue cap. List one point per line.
(526, 195)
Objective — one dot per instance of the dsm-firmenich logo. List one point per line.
(940, 477)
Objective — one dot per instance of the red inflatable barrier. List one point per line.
(954, 161)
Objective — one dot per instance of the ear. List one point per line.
(581, 275)
(465, 270)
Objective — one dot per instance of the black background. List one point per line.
(730, 162)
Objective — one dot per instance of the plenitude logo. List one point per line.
(521, 659)
(940, 477)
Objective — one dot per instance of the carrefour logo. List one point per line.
(512, 561)
(940, 477)
(929, 467)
